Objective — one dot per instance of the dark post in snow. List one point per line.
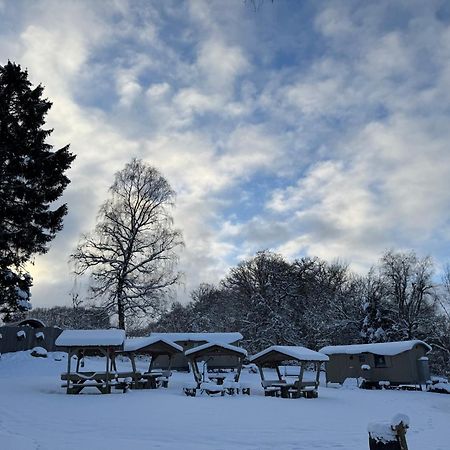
(389, 436)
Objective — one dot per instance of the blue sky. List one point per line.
(309, 128)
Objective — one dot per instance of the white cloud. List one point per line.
(347, 129)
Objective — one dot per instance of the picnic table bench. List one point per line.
(281, 388)
(77, 381)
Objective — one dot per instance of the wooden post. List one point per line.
(78, 361)
(69, 357)
(261, 372)
(107, 369)
(400, 430)
(318, 374)
(388, 436)
(133, 366)
(277, 368)
(302, 370)
(238, 373)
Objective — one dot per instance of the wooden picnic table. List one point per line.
(77, 381)
(287, 390)
(151, 379)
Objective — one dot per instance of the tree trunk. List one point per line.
(120, 306)
(121, 314)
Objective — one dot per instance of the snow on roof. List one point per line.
(90, 338)
(220, 338)
(34, 323)
(292, 352)
(383, 348)
(200, 348)
(134, 344)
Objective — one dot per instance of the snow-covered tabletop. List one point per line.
(292, 352)
(91, 338)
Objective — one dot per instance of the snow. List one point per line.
(384, 348)
(365, 367)
(25, 304)
(21, 334)
(381, 432)
(90, 338)
(200, 348)
(299, 353)
(35, 413)
(384, 432)
(39, 351)
(220, 338)
(40, 335)
(440, 387)
(398, 419)
(211, 386)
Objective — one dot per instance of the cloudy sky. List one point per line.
(308, 128)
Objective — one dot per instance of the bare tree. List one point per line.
(410, 291)
(130, 256)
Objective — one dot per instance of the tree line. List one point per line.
(314, 303)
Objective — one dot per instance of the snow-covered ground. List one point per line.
(35, 413)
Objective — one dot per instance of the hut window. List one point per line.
(21, 335)
(40, 336)
(380, 361)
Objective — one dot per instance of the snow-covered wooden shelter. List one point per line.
(206, 353)
(393, 363)
(277, 355)
(154, 347)
(191, 340)
(81, 343)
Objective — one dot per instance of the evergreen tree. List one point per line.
(31, 179)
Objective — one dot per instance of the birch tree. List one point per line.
(131, 254)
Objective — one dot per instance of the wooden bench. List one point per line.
(212, 388)
(306, 389)
(272, 388)
(190, 389)
(77, 381)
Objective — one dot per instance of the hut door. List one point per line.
(423, 370)
(353, 367)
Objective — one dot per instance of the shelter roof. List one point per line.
(278, 353)
(135, 344)
(382, 348)
(34, 323)
(91, 338)
(220, 338)
(215, 347)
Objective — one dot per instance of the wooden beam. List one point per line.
(69, 357)
(302, 370)
(261, 372)
(238, 372)
(107, 370)
(318, 373)
(277, 367)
